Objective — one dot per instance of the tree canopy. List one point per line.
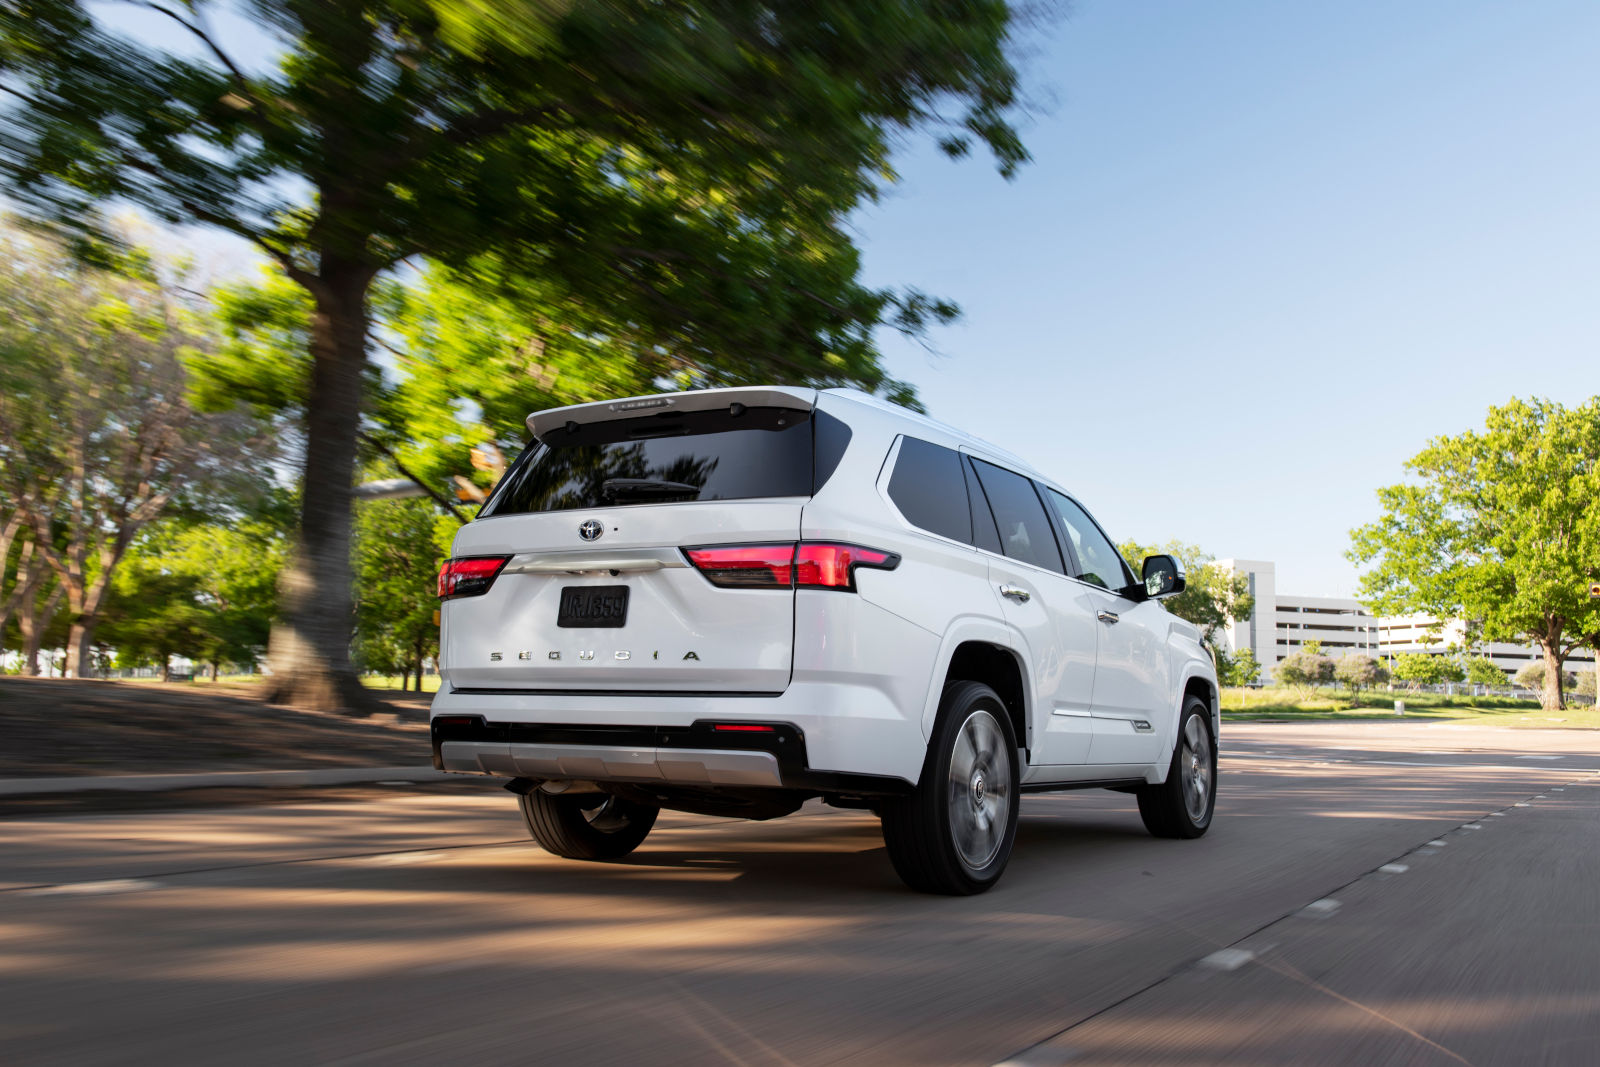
(668, 177)
(1497, 527)
(1212, 597)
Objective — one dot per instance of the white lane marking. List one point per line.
(1227, 959)
(1520, 804)
(1393, 868)
(1437, 844)
(1474, 825)
(1541, 757)
(1559, 789)
(1541, 796)
(114, 885)
(1320, 909)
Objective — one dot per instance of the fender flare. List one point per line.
(989, 631)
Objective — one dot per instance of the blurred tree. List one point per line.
(1482, 671)
(1237, 670)
(675, 175)
(1303, 670)
(1532, 676)
(1499, 528)
(152, 616)
(96, 436)
(1359, 672)
(1419, 668)
(1212, 597)
(397, 567)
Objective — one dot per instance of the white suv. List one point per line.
(730, 601)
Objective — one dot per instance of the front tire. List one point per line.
(587, 826)
(1182, 806)
(953, 835)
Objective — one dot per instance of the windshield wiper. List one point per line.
(614, 487)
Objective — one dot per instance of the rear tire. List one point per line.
(1182, 806)
(587, 826)
(953, 835)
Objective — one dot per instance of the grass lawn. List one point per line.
(1291, 705)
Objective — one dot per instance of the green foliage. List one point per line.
(1358, 672)
(1242, 669)
(1585, 684)
(1212, 597)
(1480, 670)
(1419, 668)
(1302, 670)
(1497, 527)
(1312, 647)
(1532, 676)
(397, 566)
(201, 590)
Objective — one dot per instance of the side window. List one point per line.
(1102, 564)
(930, 489)
(1025, 531)
(984, 534)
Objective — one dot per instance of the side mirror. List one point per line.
(1163, 577)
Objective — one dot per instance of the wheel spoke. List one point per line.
(979, 799)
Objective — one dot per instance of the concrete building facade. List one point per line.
(1281, 624)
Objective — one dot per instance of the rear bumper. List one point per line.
(822, 738)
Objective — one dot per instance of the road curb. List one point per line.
(166, 783)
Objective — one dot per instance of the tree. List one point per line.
(1212, 596)
(1497, 528)
(97, 438)
(397, 566)
(1303, 670)
(1532, 676)
(1419, 668)
(1359, 672)
(1480, 670)
(1237, 670)
(677, 177)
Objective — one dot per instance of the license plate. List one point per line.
(593, 606)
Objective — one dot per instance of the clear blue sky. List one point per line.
(1263, 253)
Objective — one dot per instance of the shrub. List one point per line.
(1482, 671)
(1304, 670)
(1531, 676)
(1359, 672)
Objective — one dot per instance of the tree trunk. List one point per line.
(214, 671)
(34, 621)
(1550, 698)
(419, 669)
(309, 650)
(166, 668)
(80, 650)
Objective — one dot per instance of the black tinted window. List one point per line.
(930, 490)
(662, 459)
(1098, 558)
(1025, 531)
(984, 533)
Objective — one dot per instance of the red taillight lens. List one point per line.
(823, 565)
(469, 576)
(746, 566)
(808, 565)
(743, 728)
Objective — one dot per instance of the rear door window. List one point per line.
(663, 459)
(930, 489)
(1025, 530)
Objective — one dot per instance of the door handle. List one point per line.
(1017, 593)
(1108, 616)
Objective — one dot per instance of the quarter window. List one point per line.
(1098, 560)
(1025, 532)
(930, 490)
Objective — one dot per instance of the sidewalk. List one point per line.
(163, 783)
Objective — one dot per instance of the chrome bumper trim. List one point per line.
(600, 763)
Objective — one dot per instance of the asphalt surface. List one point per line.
(1369, 893)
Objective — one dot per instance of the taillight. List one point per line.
(808, 565)
(746, 566)
(469, 576)
(825, 565)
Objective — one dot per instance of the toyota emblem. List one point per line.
(591, 530)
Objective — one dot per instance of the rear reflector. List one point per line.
(807, 565)
(469, 576)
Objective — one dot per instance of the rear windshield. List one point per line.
(673, 457)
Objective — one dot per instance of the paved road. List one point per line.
(1370, 893)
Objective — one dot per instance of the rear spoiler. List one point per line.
(765, 396)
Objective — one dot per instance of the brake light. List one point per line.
(743, 728)
(746, 566)
(824, 565)
(469, 576)
(808, 565)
